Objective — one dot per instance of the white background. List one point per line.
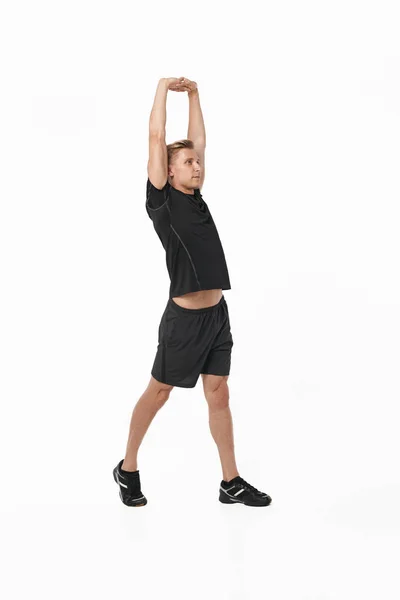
(301, 102)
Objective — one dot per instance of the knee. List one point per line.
(158, 392)
(162, 396)
(218, 398)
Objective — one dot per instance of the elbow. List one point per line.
(156, 132)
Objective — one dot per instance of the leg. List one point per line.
(152, 399)
(216, 392)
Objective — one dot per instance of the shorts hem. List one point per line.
(174, 384)
(216, 374)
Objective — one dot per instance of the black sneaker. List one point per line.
(129, 486)
(238, 490)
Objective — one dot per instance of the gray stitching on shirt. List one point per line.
(149, 207)
(190, 258)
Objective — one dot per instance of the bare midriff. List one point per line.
(201, 299)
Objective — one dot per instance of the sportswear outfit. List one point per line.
(190, 341)
(194, 254)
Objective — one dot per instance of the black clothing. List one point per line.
(194, 254)
(192, 341)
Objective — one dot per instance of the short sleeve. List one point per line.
(158, 206)
(156, 198)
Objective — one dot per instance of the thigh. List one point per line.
(158, 386)
(216, 391)
(184, 340)
(212, 383)
(218, 361)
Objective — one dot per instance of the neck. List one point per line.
(182, 188)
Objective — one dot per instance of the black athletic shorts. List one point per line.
(192, 341)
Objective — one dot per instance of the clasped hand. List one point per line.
(181, 84)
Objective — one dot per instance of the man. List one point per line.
(194, 335)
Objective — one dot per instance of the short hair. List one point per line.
(174, 148)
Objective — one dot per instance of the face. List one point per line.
(186, 169)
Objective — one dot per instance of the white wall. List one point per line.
(301, 102)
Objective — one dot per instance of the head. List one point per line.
(183, 166)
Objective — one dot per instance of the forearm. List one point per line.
(196, 129)
(158, 115)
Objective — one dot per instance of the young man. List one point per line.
(194, 335)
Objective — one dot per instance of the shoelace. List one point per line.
(251, 487)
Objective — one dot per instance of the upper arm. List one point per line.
(156, 199)
(159, 210)
(200, 149)
(157, 167)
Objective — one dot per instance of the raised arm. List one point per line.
(196, 129)
(157, 166)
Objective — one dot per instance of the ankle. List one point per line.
(130, 467)
(230, 476)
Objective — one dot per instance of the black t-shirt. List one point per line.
(194, 254)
